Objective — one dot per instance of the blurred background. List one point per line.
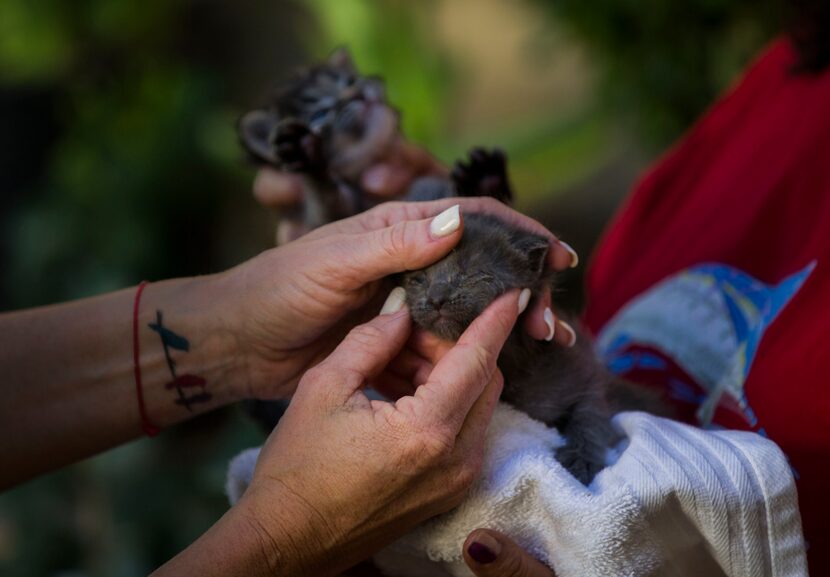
(119, 162)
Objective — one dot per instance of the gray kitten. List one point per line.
(568, 388)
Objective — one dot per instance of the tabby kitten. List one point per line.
(328, 124)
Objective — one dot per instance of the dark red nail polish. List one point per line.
(480, 553)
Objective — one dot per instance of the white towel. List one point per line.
(675, 501)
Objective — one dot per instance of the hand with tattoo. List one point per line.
(292, 305)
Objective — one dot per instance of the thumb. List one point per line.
(405, 245)
(489, 553)
(369, 347)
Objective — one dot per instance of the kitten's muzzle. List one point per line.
(437, 295)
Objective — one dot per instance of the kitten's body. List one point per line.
(568, 388)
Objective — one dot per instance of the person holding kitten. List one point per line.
(342, 475)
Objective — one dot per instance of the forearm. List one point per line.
(233, 546)
(276, 536)
(69, 390)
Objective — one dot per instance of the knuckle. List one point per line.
(394, 240)
(429, 450)
(481, 362)
(365, 336)
(498, 381)
(464, 477)
(492, 203)
(315, 375)
(505, 323)
(513, 565)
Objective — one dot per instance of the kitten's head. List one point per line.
(491, 258)
(348, 111)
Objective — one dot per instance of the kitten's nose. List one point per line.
(438, 294)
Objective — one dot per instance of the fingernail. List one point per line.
(524, 298)
(574, 256)
(394, 302)
(445, 223)
(484, 550)
(376, 178)
(571, 333)
(551, 325)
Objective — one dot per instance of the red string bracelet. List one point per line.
(149, 428)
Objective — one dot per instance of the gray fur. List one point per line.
(562, 387)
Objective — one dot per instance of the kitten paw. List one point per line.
(485, 174)
(298, 149)
(578, 464)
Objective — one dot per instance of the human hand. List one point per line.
(342, 475)
(489, 553)
(387, 179)
(291, 305)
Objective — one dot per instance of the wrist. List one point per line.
(238, 544)
(188, 349)
(284, 532)
(259, 317)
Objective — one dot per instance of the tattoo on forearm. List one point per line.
(171, 340)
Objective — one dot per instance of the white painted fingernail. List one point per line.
(445, 223)
(394, 302)
(551, 325)
(574, 256)
(524, 298)
(571, 333)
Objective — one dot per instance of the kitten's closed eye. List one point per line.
(491, 258)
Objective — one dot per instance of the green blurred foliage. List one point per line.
(131, 170)
(664, 62)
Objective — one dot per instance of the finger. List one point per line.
(367, 349)
(470, 439)
(489, 553)
(560, 255)
(275, 189)
(572, 259)
(421, 160)
(427, 345)
(387, 180)
(565, 334)
(462, 374)
(407, 364)
(535, 322)
(289, 229)
(404, 163)
(392, 386)
(542, 323)
(407, 245)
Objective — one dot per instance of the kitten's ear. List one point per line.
(342, 59)
(534, 249)
(256, 130)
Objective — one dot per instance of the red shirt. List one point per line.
(713, 281)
